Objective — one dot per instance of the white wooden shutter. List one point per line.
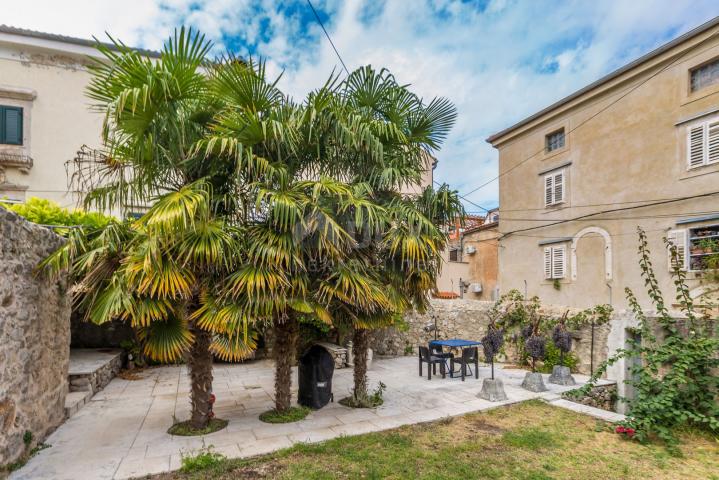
(559, 187)
(548, 190)
(712, 147)
(558, 262)
(695, 146)
(547, 262)
(678, 238)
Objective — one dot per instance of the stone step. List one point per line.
(74, 402)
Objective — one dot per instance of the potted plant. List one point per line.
(493, 389)
(697, 249)
(562, 339)
(535, 346)
(708, 245)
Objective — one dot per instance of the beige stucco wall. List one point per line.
(634, 151)
(484, 263)
(452, 272)
(56, 123)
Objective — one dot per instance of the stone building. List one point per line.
(638, 147)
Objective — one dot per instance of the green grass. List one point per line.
(528, 441)
(203, 460)
(184, 429)
(294, 414)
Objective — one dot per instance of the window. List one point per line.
(10, 125)
(704, 76)
(554, 140)
(703, 143)
(555, 264)
(454, 255)
(554, 188)
(697, 248)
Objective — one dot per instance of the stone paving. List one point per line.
(121, 432)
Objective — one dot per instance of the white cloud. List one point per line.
(497, 65)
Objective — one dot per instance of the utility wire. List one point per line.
(328, 36)
(466, 199)
(602, 110)
(621, 209)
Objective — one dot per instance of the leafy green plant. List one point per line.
(552, 357)
(709, 245)
(371, 400)
(47, 212)
(675, 383)
(202, 460)
(557, 284)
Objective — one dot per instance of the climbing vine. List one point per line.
(675, 380)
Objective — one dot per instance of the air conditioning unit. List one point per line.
(476, 288)
(470, 249)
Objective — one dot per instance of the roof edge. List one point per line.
(606, 78)
(23, 32)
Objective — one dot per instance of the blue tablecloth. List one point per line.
(455, 342)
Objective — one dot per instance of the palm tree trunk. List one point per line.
(199, 362)
(284, 353)
(360, 344)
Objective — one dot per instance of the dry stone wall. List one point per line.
(467, 319)
(34, 337)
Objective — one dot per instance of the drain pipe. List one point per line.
(525, 290)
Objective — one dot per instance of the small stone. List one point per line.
(492, 390)
(533, 382)
(561, 376)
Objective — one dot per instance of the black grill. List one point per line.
(315, 378)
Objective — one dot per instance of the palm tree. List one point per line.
(167, 273)
(406, 253)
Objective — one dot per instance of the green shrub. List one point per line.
(675, 385)
(202, 460)
(47, 212)
(551, 358)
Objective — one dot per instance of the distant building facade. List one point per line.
(639, 147)
(45, 116)
(470, 267)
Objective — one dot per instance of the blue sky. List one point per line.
(497, 60)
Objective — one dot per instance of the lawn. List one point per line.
(529, 441)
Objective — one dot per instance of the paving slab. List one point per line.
(122, 431)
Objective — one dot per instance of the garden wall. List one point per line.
(34, 337)
(468, 319)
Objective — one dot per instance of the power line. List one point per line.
(602, 110)
(466, 199)
(588, 215)
(328, 36)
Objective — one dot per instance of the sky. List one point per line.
(498, 61)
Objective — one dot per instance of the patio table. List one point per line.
(455, 343)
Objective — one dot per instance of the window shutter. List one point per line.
(713, 142)
(695, 146)
(558, 263)
(678, 238)
(559, 187)
(548, 262)
(12, 125)
(548, 190)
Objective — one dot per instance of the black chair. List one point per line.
(469, 356)
(431, 361)
(436, 351)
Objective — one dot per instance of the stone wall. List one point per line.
(600, 396)
(34, 337)
(468, 319)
